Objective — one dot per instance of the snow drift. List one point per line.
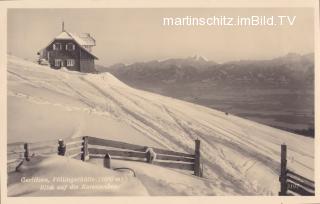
(240, 157)
(62, 176)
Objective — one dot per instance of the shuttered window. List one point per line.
(57, 46)
(70, 62)
(70, 46)
(57, 62)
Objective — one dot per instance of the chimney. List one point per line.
(62, 26)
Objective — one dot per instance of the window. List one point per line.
(57, 46)
(57, 62)
(70, 62)
(70, 46)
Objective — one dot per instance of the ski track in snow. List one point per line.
(135, 116)
(209, 150)
(176, 140)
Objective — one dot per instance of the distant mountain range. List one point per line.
(278, 92)
(292, 70)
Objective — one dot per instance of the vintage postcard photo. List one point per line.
(214, 101)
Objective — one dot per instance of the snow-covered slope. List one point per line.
(240, 157)
(92, 179)
(76, 179)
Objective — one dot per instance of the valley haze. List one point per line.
(278, 92)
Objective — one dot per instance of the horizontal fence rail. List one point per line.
(98, 148)
(117, 153)
(88, 147)
(292, 183)
(20, 152)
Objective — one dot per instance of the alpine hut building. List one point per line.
(71, 51)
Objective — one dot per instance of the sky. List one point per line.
(134, 35)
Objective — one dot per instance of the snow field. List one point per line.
(240, 157)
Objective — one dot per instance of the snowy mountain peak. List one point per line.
(197, 57)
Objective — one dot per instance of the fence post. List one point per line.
(85, 153)
(61, 147)
(150, 155)
(107, 161)
(197, 170)
(283, 171)
(202, 168)
(26, 151)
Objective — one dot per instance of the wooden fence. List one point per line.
(292, 183)
(19, 152)
(88, 147)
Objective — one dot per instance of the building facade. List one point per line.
(71, 51)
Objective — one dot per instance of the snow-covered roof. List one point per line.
(64, 36)
(83, 40)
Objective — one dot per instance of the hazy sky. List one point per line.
(131, 35)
